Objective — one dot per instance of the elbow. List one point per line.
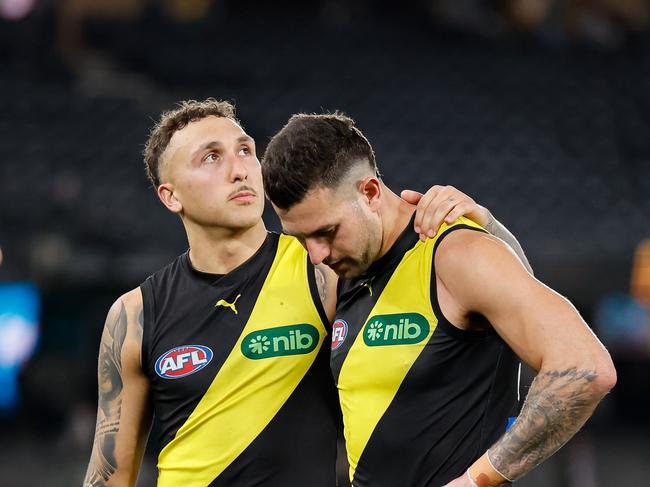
(605, 374)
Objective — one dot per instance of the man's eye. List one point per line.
(211, 157)
(244, 151)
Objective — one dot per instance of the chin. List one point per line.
(245, 216)
(349, 272)
(243, 223)
(233, 221)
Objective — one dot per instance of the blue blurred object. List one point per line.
(19, 317)
(623, 324)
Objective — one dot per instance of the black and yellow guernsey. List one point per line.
(421, 399)
(238, 378)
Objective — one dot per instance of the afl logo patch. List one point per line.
(182, 361)
(339, 333)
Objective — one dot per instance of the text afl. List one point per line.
(183, 361)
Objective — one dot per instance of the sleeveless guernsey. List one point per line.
(421, 399)
(239, 381)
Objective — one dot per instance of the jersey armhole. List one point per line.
(315, 297)
(148, 320)
(443, 322)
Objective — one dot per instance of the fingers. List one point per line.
(435, 215)
(423, 204)
(459, 210)
(410, 196)
(441, 203)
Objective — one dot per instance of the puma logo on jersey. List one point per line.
(368, 284)
(226, 304)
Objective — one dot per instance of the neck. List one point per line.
(395, 216)
(218, 250)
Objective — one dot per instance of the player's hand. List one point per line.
(443, 203)
(463, 481)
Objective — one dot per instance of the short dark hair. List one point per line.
(172, 121)
(312, 151)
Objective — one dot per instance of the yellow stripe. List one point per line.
(246, 394)
(371, 375)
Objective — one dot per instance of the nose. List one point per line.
(318, 250)
(238, 170)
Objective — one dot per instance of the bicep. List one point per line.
(123, 409)
(537, 323)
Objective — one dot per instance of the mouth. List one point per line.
(243, 196)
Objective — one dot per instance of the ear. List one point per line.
(168, 197)
(370, 188)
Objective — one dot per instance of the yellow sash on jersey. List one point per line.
(247, 393)
(388, 345)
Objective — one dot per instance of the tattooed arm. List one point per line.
(326, 281)
(478, 274)
(445, 204)
(123, 410)
(496, 228)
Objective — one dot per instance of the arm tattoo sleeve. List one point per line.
(103, 463)
(139, 330)
(558, 404)
(496, 228)
(321, 283)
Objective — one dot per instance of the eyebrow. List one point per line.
(245, 138)
(215, 144)
(209, 145)
(322, 230)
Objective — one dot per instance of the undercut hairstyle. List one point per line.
(312, 151)
(174, 120)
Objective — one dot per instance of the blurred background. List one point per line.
(539, 109)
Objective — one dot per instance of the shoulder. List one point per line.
(124, 323)
(482, 274)
(129, 304)
(132, 299)
(471, 263)
(467, 249)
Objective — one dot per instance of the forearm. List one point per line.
(496, 228)
(103, 464)
(558, 404)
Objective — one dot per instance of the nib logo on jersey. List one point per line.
(395, 329)
(281, 340)
(182, 361)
